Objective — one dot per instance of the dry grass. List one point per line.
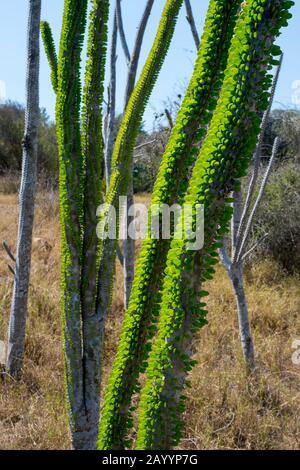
(224, 409)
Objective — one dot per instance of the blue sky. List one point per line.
(176, 69)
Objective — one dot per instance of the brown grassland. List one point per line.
(225, 409)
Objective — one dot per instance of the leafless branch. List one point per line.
(134, 60)
(111, 109)
(121, 31)
(255, 246)
(11, 269)
(129, 244)
(191, 21)
(169, 118)
(144, 144)
(236, 220)
(8, 251)
(258, 199)
(256, 162)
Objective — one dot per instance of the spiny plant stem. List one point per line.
(223, 159)
(170, 186)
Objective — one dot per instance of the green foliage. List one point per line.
(170, 186)
(11, 134)
(50, 51)
(92, 147)
(71, 200)
(123, 153)
(223, 159)
(125, 142)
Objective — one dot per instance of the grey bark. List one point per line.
(237, 280)
(245, 235)
(121, 31)
(18, 314)
(234, 269)
(128, 252)
(191, 21)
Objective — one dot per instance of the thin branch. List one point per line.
(258, 200)
(236, 219)
(256, 162)
(133, 63)
(121, 31)
(11, 269)
(111, 109)
(261, 239)
(191, 21)
(138, 147)
(8, 251)
(169, 118)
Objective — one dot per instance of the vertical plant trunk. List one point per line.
(18, 314)
(236, 274)
(236, 277)
(129, 249)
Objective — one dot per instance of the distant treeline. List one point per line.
(151, 145)
(11, 132)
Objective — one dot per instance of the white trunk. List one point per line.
(129, 249)
(236, 277)
(17, 323)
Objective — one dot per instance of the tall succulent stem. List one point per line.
(223, 159)
(81, 157)
(180, 154)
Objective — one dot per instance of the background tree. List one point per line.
(241, 225)
(17, 323)
(12, 116)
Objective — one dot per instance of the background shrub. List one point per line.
(279, 217)
(11, 134)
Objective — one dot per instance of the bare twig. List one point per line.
(169, 117)
(11, 269)
(261, 239)
(258, 200)
(256, 162)
(111, 109)
(121, 31)
(8, 251)
(144, 144)
(134, 60)
(191, 21)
